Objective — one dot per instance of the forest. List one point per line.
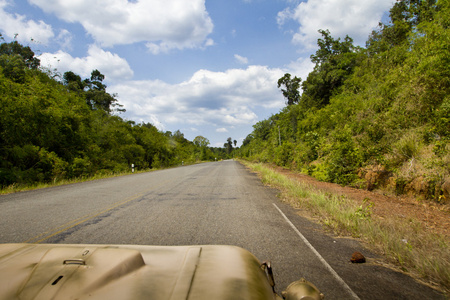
(55, 127)
(373, 117)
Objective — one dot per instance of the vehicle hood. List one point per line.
(43, 271)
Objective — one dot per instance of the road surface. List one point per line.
(211, 203)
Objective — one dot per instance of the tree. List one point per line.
(97, 79)
(179, 137)
(94, 91)
(329, 48)
(234, 142)
(96, 94)
(291, 91)
(229, 145)
(13, 67)
(73, 81)
(405, 16)
(201, 141)
(15, 58)
(335, 61)
(261, 130)
(248, 139)
(26, 54)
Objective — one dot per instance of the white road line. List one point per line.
(324, 262)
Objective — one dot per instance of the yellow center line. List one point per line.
(73, 223)
(53, 229)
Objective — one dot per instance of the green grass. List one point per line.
(404, 243)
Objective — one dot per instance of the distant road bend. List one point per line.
(210, 203)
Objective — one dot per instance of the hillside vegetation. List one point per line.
(55, 127)
(373, 117)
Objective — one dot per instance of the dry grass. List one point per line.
(403, 242)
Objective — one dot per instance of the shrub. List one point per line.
(408, 147)
(345, 158)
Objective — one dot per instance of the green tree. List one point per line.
(291, 90)
(25, 53)
(229, 145)
(201, 141)
(97, 97)
(94, 91)
(73, 81)
(405, 15)
(261, 130)
(335, 61)
(13, 67)
(247, 139)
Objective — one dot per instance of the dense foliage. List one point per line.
(52, 130)
(372, 117)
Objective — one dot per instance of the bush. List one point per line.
(284, 154)
(80, 167)
(345, 158)
(319, 171)
(408, 147)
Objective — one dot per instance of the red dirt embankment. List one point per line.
(434, 217)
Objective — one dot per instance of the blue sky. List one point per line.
(204, 67)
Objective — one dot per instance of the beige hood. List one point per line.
(39, 271)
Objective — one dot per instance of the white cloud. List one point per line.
(209, 42)
(26, 30)
(219, 99)
(355, 18)
(300, 68)
(241, 59)
(162, 25)
(221, 130)
(64, 39)
(109, 64)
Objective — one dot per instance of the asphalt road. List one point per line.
(211, 203)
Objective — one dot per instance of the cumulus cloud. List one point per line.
(355, 18)
(241, 59)
(300, 68)
(221, 130)
(162, 25)
(64, 39)
(111, 65)
(17, 26)
(218, 99)
(209, 42)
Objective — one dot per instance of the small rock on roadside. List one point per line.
(358, 258)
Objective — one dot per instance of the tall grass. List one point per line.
(405, 243)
